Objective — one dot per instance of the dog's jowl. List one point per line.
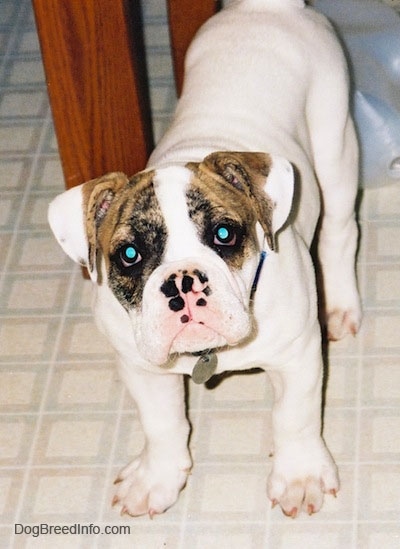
(201, 264)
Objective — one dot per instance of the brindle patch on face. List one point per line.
(245, 175)
(211, 205)
(135, 219)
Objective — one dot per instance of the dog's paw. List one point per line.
(300, 478)
(342, 322)
(144, 488)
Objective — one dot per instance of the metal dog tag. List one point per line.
(204, 368)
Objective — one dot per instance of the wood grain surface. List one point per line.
(185, 18)
(95, 70)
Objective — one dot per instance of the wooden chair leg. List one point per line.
(185, 18)
(93, 56)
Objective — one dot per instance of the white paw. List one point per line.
(300, 477)
(343, 312)
(342, 322)
(149, 488)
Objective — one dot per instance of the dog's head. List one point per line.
(179, 246)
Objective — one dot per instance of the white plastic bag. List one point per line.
(370, 31)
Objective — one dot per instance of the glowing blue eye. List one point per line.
(130, 252)
(129, 256)
(223, 233)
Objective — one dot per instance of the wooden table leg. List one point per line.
(94, 62)
(185, 18)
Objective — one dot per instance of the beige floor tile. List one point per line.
(26, 339)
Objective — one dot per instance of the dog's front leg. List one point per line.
(152, 482)
(303, 469)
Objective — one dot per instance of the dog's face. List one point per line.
(179, 246)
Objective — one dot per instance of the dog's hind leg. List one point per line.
(335, 152)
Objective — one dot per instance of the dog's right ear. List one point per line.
(75, 217)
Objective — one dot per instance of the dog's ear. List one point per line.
(267, 180)
(76, 215)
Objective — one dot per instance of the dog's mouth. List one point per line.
(197, 337)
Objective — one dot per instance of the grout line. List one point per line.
(128, 411)
(27, 315)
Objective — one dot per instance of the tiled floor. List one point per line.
(67, 424)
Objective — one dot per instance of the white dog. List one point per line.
(201, 263)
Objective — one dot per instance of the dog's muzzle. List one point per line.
(188, 307)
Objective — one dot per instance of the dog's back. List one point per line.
(261, 75)
(248, 74)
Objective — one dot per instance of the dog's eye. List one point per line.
(225, 235)
(129, 256)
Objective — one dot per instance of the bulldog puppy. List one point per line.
(201, 262)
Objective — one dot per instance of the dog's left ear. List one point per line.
(75, 217)
(267, 180)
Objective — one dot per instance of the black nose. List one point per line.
(187, 284)
(170, 288)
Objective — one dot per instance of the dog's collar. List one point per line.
(207, 362)
(263, 255)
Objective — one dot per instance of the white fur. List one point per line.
(69, 230)
(170, 185)
(280, 187)
(262, 75)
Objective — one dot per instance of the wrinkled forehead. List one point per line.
(178, 188)
(179, 199)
